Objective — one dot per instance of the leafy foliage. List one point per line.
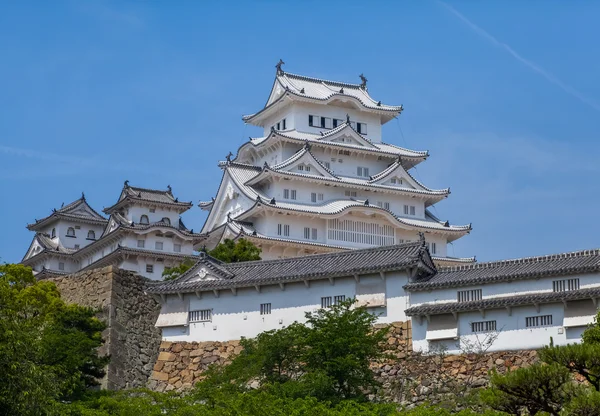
(539, 388)
(172, 273)
(230, 251)
(48, 349)
(327, 358)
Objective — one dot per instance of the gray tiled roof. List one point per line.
(586, 261)
(316, 266)
(323, 90)
(502, 302)
(72, 212)
(131, 193)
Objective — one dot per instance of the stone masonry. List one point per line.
(130, 338)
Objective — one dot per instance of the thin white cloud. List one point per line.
(531, 65)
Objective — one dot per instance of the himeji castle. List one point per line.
(144, 233)
(321, 178)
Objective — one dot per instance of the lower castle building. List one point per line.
(144, 233)
(505, 305)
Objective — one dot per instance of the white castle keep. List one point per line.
(321, 179)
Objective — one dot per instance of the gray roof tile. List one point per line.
(586, 261)
(317, 266)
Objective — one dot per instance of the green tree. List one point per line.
(48, 349)
(328, 358)
(230, 251)
(172, 273)
(539, 388)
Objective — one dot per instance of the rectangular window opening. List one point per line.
(265, 309)
(326, 302)
(469, 295)
(202, 315)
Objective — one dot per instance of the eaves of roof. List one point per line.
(502, 302)
(55, 216)
(392, 111)
(183, 206)
(321, 142)
(349, 204)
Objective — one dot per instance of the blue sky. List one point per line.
(504, 95)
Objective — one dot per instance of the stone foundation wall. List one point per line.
(408, 378)
(180, 364)
(130, 338)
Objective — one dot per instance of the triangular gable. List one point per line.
(35, 248)
(112, 225)
(347, 135)
(276, 92)
(305, 163)
(230, 188)
(82, 208)
(402, 178)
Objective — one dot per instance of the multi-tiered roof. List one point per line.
(248, 174)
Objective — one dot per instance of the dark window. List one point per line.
(53, 232)
(323, 122)
(265, 309)
(311, 121)
(283, 123)
(149, 268)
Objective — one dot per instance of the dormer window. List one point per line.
(70, 232)
(91, 235)
(53, 235)
(144, 219)
(166, 221)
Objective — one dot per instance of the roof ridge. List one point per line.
(335, 254)
(149, 189)
(522, 260)
(320, 80)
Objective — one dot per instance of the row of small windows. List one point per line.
(470, 295)
(483, 326)
(289, 194)
(530, 322)
(565, 285)
(293, 195)
(409, 210)
(205, 315)
(283, 229)
(280, 125)
(310, 233)
(332, 123)
(362, 171)
(91, 235)
(537, 321)
(158, 245)
(145, 221)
